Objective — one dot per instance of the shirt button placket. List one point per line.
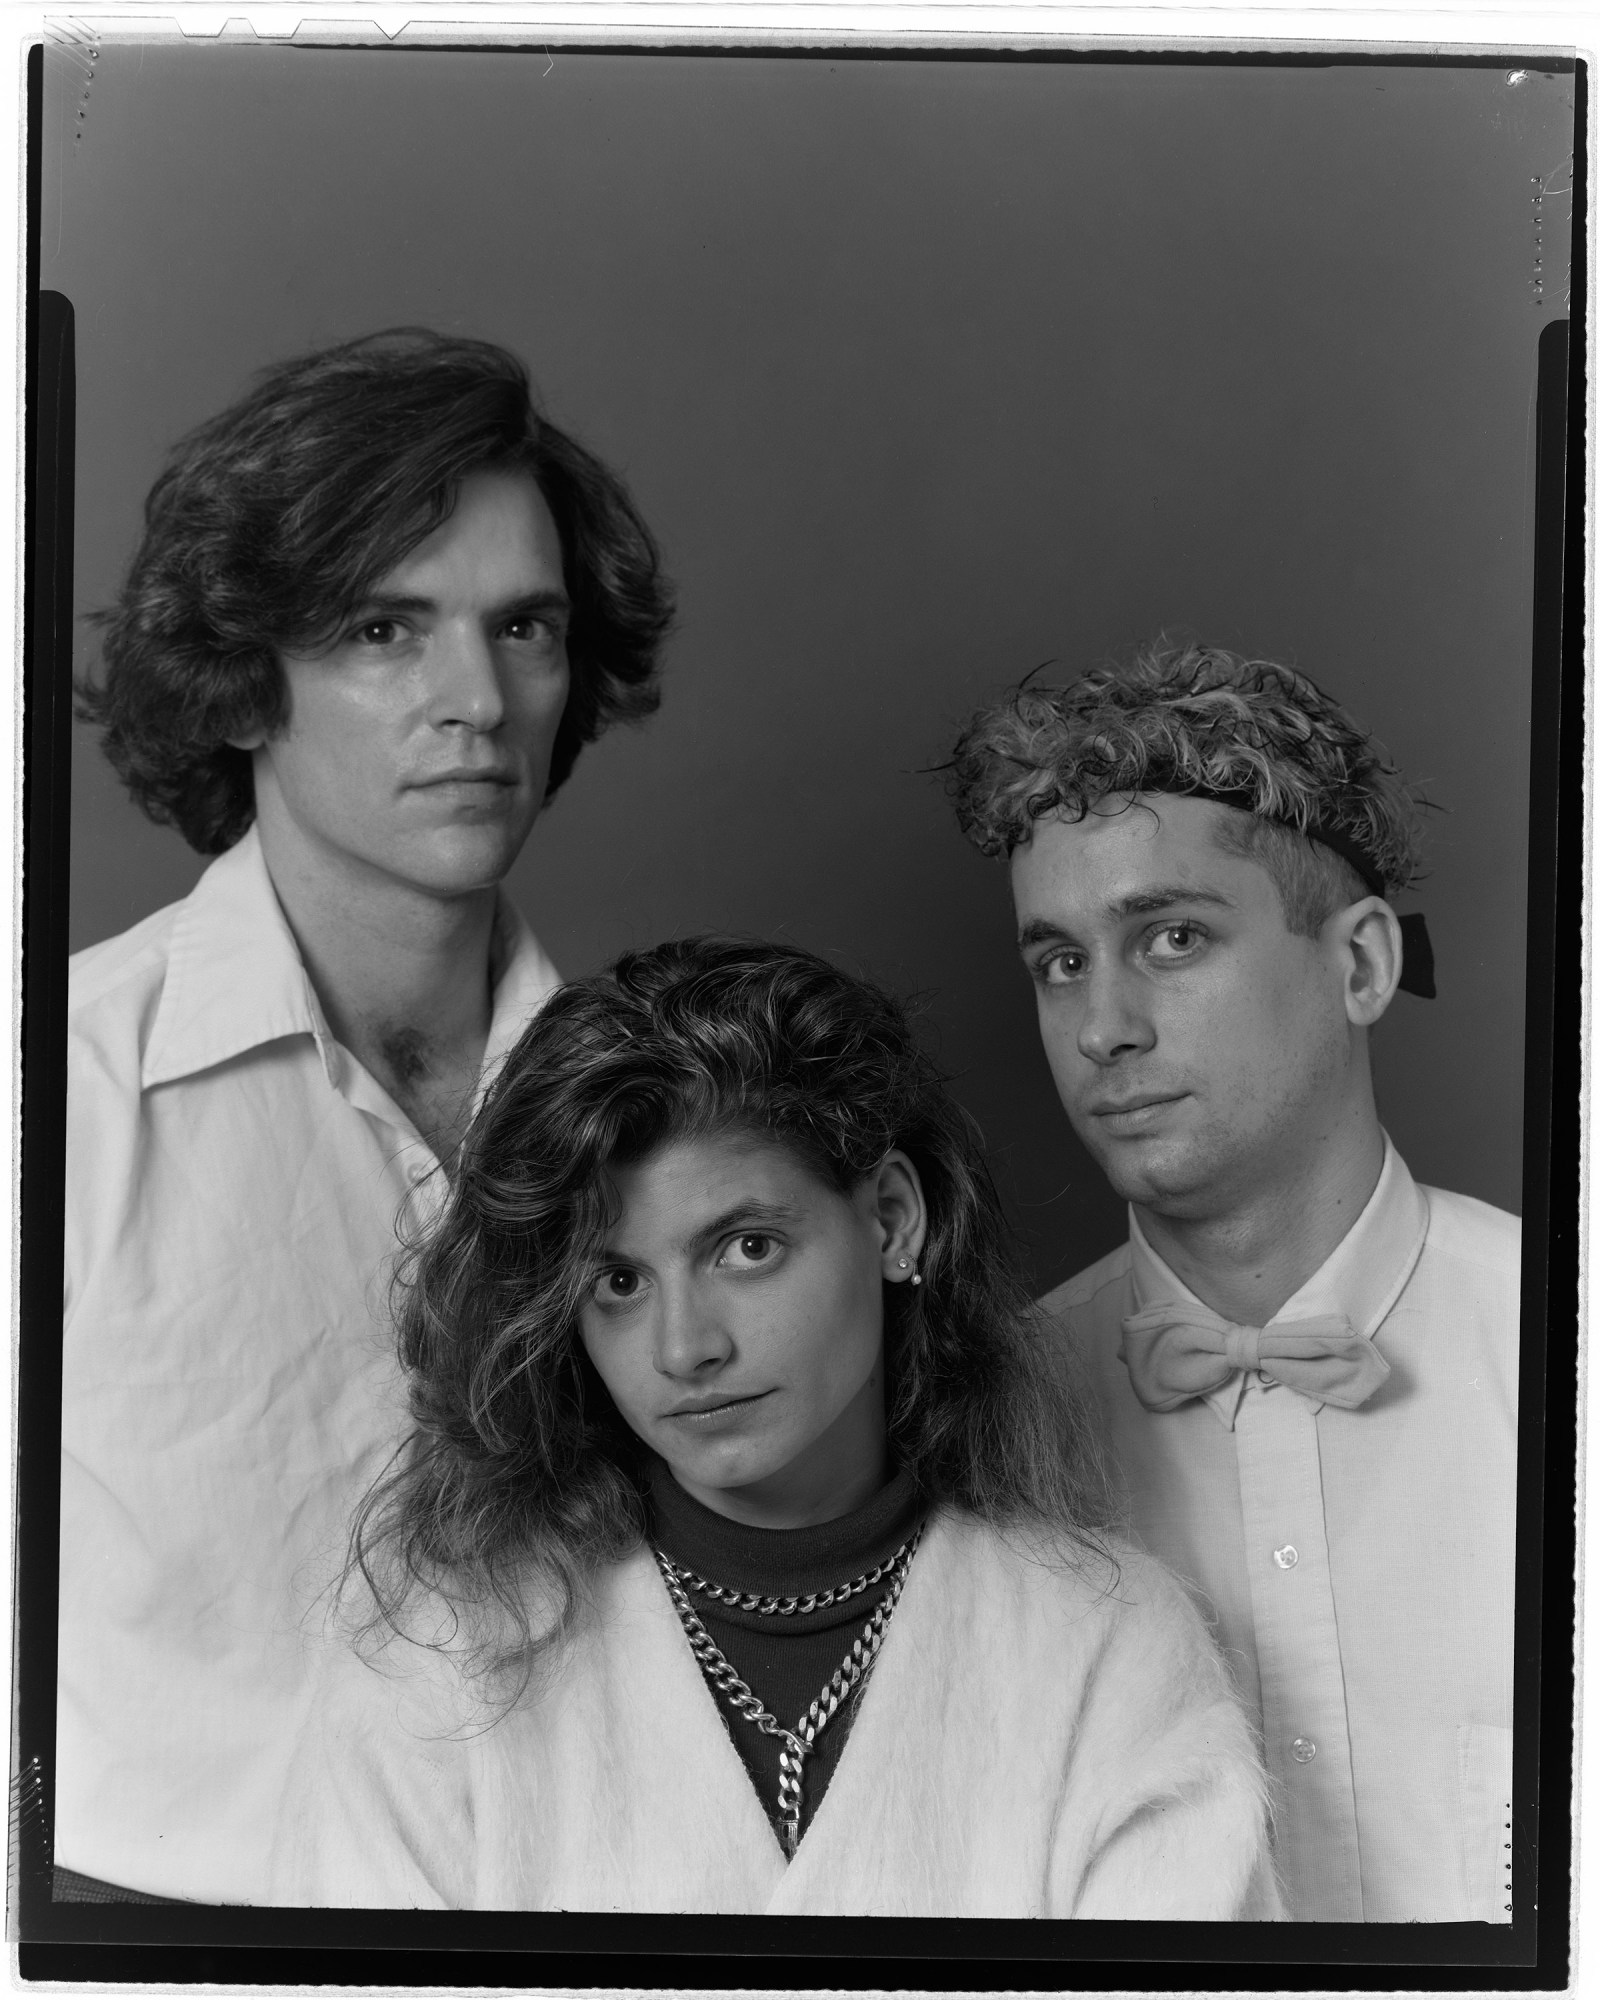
(1303, 1748)
(1298, 1654)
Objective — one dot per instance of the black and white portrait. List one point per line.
(792, 957)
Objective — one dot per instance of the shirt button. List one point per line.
(1302, 1749)
(1287, 1556)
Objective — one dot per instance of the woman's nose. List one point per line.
(690, 1340)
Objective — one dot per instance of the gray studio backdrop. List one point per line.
(925, 372)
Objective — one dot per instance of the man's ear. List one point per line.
(259, 734)
(1366, 937)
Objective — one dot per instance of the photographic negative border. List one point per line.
(422, 1948)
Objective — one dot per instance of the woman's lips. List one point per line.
(713, 1415)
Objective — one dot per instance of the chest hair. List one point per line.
(433, 1089)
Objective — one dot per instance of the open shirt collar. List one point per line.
(235, 979)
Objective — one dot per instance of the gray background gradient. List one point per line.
(925, 372)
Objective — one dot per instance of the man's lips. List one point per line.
(1129, 1113)
(1104, 1107)
(488, 775)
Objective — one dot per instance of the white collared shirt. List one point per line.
(1358, 1564)
(234, 1183)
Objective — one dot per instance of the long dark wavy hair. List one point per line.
(273, 521)
(519, 1476)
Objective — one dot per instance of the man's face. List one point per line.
(418, 746)
(1201, 1050)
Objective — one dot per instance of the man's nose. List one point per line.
(465, 686)
(690, 1340)
(1114, 1022)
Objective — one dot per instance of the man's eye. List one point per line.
(1176, 941)
(534, 631)
(749, 1250)
(1061, 968)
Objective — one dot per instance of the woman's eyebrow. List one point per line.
(731, 1218)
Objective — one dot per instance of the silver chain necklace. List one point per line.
(846, 1679)
(788, 1607)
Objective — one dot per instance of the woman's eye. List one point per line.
(618, 1287)
(753, 1248)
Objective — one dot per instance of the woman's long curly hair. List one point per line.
(520, 1478)
(275, 520)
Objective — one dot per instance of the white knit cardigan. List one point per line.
(1034, 1741)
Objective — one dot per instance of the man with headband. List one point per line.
(1306, 1364)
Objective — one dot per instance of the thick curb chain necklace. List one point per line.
(847, 1677)
(788, 1607)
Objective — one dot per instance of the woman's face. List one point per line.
(737, 1320)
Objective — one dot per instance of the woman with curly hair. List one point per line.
(746, 1552)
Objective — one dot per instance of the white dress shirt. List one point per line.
(1359, 1564)
(234, 1182)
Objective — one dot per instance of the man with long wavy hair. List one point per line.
(379, 607)
(1306, 1364)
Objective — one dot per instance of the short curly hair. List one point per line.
(273, 521)
(1331, 817)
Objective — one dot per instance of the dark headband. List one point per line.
(1416, 963)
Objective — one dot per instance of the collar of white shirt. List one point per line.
(1361, 1280)
(235, 979)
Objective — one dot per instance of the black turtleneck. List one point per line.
(786, 1661)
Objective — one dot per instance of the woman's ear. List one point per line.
(901, 1212)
